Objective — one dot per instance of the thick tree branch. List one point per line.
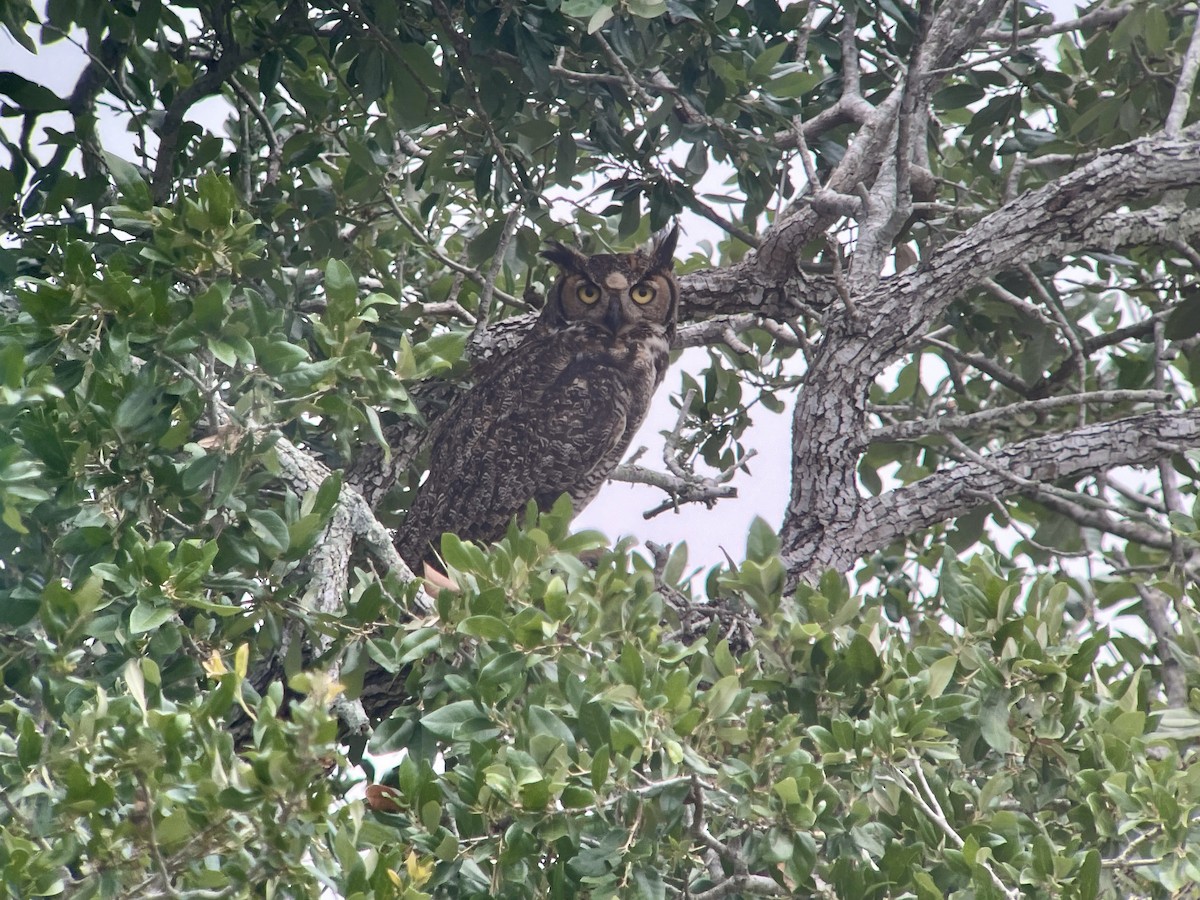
(1132, 441)
(1078, 210)
(1099, 18)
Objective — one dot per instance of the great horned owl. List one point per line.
(556, 414)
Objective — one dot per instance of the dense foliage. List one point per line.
(963, 666)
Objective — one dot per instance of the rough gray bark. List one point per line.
(1025, 467)
(1079, 210)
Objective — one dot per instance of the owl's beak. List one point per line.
(613, 320)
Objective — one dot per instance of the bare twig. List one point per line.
(941, 424)
(713, 331)
(1017, 303)
(489, 279)
(680, 482)
(1096, 19)
(1186, 85)
(1070, 333)
(1172, 498)
(273, 148)
(926, 800)
(985, 365)
(1157, 604)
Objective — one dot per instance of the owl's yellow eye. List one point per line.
(642, 293)
(588, 293)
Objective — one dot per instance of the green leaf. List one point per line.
(208, 309)
(342, 291)
(488, 627)
(647, 9)
(767, 60)
(129, 179)
(600, 764)
(720, 697)
(199, 471)
(461, 720)
(136, 410)
(270, 530)
(422, 64)
(147, 617)
(927, 888)
(594, 723)
(278, 357)
(993, 722)
(794, 84)
(787, 790)
(940, 672)
(303, 533)
(574, 797)
(270, 67)
(1156, 31)
(327, 494)
(1184, 320)
(762, 542)
(599, 19)
(863, 661)
(965, 603)
(1087, 881)
(483, 246)
(1178, 725)
(544, 722)
(28, 95)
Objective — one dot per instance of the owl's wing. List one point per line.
(522, 433)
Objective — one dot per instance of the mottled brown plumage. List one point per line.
(557, 414)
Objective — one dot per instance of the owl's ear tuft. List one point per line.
(567, 258)
(662, 248)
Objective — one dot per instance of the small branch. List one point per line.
(219, 71)
(851, 81)
(926, 800)
(839, 277)
(1068, 329)
(274, 151)
(1097, 19)
(703, 209)
(1075, 506)
(1023, 306)
(626, 76)
(489, 279)
(806, 160)
(742, 885)
(1137, 498)
(1157, 604)
(1185, 87)
(679, 481)
(671, 444)
(942, 424)
(1011, 381)
(690, 488)
(454, 265)
(1172, 498)
(714, 331)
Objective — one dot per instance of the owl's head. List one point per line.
(617, 292)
